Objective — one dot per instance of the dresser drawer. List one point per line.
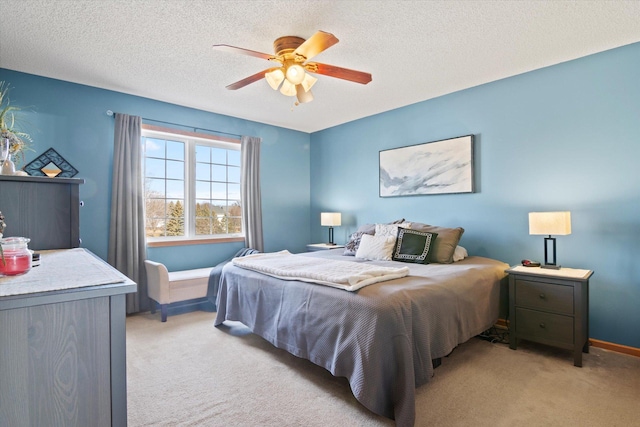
(544, 327)
(544, 296)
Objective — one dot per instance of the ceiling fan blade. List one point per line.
(315, 44)
(248, 80)
(228, 48)
(338, 72)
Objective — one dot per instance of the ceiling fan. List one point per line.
(292, 55)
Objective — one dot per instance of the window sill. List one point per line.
(163, 243)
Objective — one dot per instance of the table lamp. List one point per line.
(548, 223)
(330, 219)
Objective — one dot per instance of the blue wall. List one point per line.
(565, 137)
(72, 119)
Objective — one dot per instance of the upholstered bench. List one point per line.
(166, 287)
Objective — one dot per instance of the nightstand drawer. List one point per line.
(544, 327)
(544, 296)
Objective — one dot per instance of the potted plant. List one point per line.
(15, 139)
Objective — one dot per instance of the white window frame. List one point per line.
(190, 139)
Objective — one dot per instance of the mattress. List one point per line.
(382, 337)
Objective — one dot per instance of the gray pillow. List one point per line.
(367, 229)
(444, 245)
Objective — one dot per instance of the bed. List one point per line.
(384, 336)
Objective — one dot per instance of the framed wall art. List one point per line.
(51, 164)
(439, 167)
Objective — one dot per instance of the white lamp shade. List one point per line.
(550, 223)
(295, 74)
(330, 219)
(308, 82)
(274, 78)
(288, 88)
(303, 96)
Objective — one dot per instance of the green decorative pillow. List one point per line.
(413, 246)
(445, 244)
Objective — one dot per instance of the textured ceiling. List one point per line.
(415, 50)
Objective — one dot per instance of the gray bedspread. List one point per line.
(382, 337)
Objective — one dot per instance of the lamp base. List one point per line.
(330, 244)
(551, 266)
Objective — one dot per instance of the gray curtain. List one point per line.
(127, 246)
(250, 193)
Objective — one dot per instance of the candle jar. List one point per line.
(16, 257)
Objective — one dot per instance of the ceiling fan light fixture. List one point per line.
(291, 75)
(288, 88)
(308, 82)
(303, 95)
(295, 73)
(274, 78)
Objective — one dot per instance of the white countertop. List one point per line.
(59, 270)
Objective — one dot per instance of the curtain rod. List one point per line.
(195, 129)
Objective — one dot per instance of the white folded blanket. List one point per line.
(346, 275)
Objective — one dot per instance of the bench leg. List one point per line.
(163, 312)
(153, 306)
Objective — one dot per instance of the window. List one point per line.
(191, 186)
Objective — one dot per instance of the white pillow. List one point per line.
(376, 247)
(459, 253)
(390, 229)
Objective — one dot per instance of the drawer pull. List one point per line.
(543, 296)
(542, 325)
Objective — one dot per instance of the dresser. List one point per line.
(550, 307)
(62, 343)
(46, 210)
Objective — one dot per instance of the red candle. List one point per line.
(15, 262)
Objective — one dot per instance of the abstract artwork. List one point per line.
(50, 164)
(439, 167)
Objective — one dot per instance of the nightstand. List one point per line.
(550, 307)
(322, 247)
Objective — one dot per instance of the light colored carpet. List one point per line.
(186, 372)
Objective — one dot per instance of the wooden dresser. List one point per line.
(550, 307)
(62, 343)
